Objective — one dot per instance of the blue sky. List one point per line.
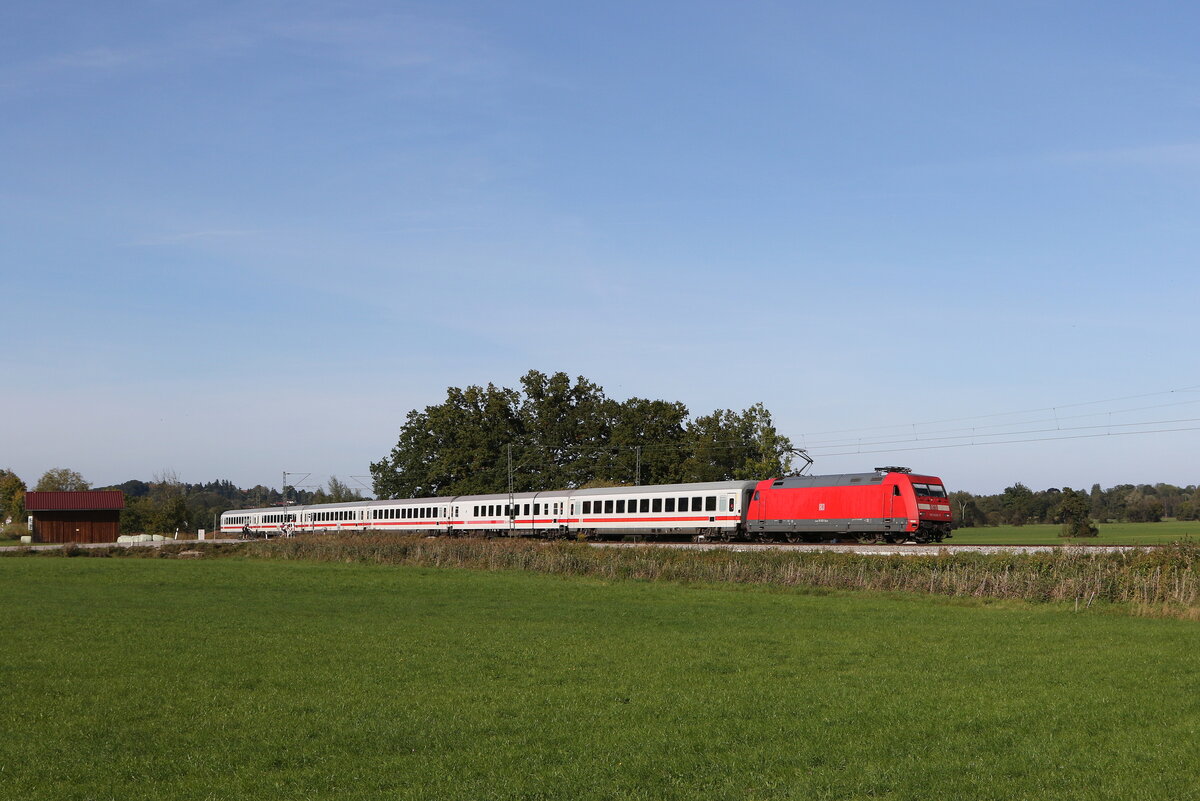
(238, 239)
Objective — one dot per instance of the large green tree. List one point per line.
(1018, 504)
(12, 497)
(60, 479)
(736, 445)
(649, 442)
(1074, 512)
(562, 433)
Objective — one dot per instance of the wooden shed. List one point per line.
(93, 516)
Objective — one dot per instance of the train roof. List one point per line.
(834, 480)
(715, 486)
(850, 479)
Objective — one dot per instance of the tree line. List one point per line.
(555, 433)
(165, 504)
(1126, 503)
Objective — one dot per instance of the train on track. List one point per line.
(891, 504)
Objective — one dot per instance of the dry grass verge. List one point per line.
(1159, 582)
(1163, 581)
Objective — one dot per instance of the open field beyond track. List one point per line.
(233, 678)
(1110, 534)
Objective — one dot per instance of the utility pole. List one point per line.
(637, 476)
(512, 512)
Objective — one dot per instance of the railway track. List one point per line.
(874, 550)
(749, 547)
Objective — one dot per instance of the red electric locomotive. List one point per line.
(889, 505)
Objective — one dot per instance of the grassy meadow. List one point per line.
(1167, 531)
(267, 678)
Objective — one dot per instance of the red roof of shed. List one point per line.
(71, 501)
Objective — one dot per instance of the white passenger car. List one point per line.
(713, 510)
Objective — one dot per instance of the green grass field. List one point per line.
(238, 679)
(1110, 534)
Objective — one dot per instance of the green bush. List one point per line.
(1080, 528)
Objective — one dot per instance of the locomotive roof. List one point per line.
(834, 480)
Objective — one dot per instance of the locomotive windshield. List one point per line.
(930, 490)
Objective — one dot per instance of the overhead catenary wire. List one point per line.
(1014, 433)
(1041, 409)
(1057, 419)
(1011, 442)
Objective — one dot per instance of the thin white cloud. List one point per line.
(383, 42)
(200, 235)
(90, 61)
(1185, 154)
(394, 40)
(96, 58)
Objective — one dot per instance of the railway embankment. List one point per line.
(1162, 581)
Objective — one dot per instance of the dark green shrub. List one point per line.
(1079, 528)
